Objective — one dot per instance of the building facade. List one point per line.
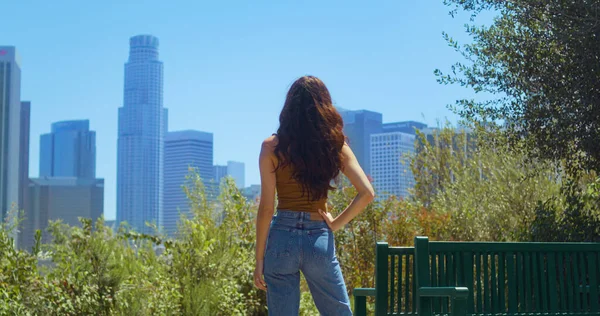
(185, 151)
(235, 170)
(220, 172)
(10, 118)
(142, 128)
(390, 164)
(408, 127)
(24, 152)
(59, 198)
(69, 150)
(358, 127)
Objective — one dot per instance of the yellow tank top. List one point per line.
(289, 194)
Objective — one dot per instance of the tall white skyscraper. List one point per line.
(390, 163)
(185, 151)
(142, 128)
(10, 117)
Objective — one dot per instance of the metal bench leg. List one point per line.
(360, 306)
(459, 307)
(425, 306)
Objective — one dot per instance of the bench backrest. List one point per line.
(514, 278)
(394, 280)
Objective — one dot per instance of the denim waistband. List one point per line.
(296, 220)
(300, 216)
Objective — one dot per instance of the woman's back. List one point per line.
(290, 193)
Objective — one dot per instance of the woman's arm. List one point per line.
(366, 194)
(266, 208)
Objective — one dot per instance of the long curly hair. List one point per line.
(310, 137)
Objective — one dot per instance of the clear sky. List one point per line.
(228, 64)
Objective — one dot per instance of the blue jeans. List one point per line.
(295, 244)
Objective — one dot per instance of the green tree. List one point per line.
(572, 217)
(539, 60)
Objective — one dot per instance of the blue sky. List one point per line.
(228, 64)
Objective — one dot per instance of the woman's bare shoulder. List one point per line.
(268, 145)
(346, 151)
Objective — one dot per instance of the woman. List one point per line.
(299, 163)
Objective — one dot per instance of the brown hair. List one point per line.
(310, 137)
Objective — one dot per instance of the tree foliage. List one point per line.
(488, 189)
(573, 216)
(540, 62)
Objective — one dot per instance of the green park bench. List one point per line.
(483, 278)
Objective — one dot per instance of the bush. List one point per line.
(573, 217)
(484, 193)
(488, 190)
(206, 270)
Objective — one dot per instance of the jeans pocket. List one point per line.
(279, 243)
(323, 244)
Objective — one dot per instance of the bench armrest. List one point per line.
(360, 300)
(363, 292)
(452, 292)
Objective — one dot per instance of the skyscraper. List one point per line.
(10, 114)
(235, 170)
(358, 127)
(69, 150)
(142, 128)
(67, 187)
(184, 151)
(220, 173)
(24, 153)
(390, 163)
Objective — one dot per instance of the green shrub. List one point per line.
(486, 193)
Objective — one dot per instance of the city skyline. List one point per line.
(229, 71)
(73, 139)
(362, 123)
